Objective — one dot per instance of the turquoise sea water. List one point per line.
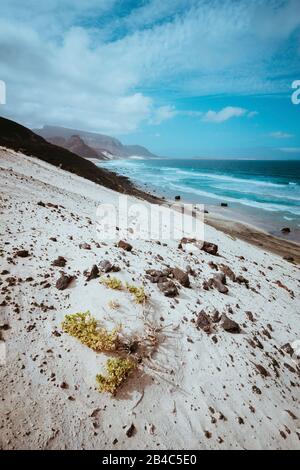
(264, 193)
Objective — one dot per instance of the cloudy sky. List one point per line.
(183, 77)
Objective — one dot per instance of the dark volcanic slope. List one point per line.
(19, 138)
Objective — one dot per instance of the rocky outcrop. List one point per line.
(230, 325)
(181, 276)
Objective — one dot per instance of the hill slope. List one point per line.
(201, 383)
(19, 138)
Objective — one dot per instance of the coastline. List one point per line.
(240, 230)
(269, 205)
(255, 236)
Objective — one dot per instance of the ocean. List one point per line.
(263, 193)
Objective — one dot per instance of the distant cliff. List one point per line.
(104, 145)
(77, 145)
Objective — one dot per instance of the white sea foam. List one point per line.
(231, 178)
(172, 178)
(247, 202)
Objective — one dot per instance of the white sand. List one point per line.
(195, 393)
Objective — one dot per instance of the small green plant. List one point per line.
(118, 370)
(138, 293)
(86, 329)
(112, 282)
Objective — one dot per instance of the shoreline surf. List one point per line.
(246, 230)
(269, 205)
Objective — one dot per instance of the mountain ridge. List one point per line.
(98, 142)
(77, 145)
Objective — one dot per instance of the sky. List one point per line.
(185, 78)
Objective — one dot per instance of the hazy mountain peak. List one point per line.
(99, 143)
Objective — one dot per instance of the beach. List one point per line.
(224, 371)
(264, 194)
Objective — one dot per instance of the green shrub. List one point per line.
(118, 370)
(112, 282)
(86, 329)
(138, 293)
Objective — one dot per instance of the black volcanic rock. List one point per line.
(60, 261)
(203, 321)
(181, 277)
(124, 245)
(64, 281)
(210, 248)
(230, 325)
(93, 274)
(168, 288)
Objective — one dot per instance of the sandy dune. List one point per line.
(200, 390)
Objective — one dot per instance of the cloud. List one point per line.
(52, 18)
(224, 114)
(192, 113)
(163, 113)
(67, 84)
(107, 67)
(252, 114)
(280, 135)
(155, 11)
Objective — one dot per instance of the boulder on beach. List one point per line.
(210, 248)
(168, 288)
(203, 321)
(60, 262)
(227, 271)
(230, 325)
(124, 245)
(93, 274)
(219, 282)
(22, 253)
(181, 276)
(64, 281)
(155, 276)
